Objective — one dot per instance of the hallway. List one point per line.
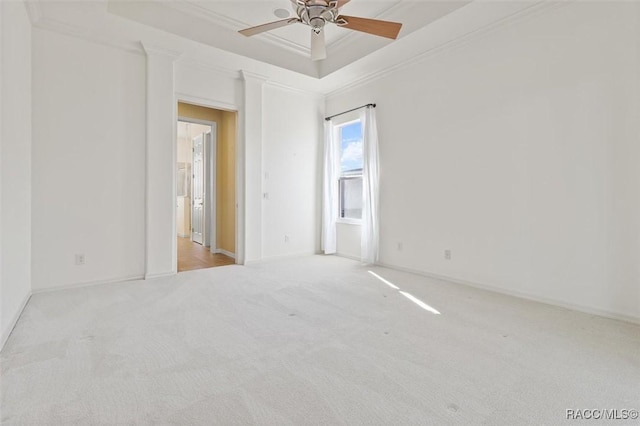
(194, 256)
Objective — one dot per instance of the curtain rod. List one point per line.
(354, 109)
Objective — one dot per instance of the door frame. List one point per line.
(210, 167)
(239, 165)
(211, 153)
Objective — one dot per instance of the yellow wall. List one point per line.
(226, 178)
(198, 112)
(201, 113)
(226, 123)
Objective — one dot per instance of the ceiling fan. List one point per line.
(317, 13)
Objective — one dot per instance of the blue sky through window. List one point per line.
(351, 147)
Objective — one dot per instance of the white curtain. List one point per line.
(329, 190)
(370, 186)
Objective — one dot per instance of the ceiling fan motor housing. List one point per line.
(316, 13)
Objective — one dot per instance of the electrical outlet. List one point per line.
(400, 246)
(447, 254)
(79, 259)
(286, 238)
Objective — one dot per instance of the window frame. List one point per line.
(338, 138)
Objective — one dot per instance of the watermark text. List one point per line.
(601, 414)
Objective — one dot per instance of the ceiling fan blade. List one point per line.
(318, 46)
(342, 3)
(386, 29)
(268, 27)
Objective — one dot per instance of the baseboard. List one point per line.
(14, 321)
(159, 275)
(348, 256)
(281, 257)
(519, 294)
(226, 253)
(89, 284)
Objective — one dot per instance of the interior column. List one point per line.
(252, 126)
(161, 251)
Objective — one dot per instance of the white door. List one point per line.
(197, 190)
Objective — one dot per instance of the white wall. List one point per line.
(519, 152)
(292, 146)
(348, 240)
(195, 81)
(88, 161)
(15, 163)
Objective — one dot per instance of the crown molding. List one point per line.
(238, 75)
(251, 76)
(88, 36)
(153, 49)
(235, 25)
(144, 48)
(327, 89)
(538, 8)
(217, 69)
(317, 95)
(225, 21)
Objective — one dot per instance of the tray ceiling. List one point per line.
(216, 23)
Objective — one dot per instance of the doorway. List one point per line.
(202, 188)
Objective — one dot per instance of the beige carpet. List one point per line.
(316, 340)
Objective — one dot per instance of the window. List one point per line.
(350, 180)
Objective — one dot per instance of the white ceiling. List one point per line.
(240, 15)
(216, 23)
(206, 33)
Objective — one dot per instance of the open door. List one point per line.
(206, 173)
(197, 196)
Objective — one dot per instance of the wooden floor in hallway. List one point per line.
(195, 256)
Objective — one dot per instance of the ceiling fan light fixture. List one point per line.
(316, 24)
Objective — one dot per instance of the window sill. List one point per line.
(350, 221)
